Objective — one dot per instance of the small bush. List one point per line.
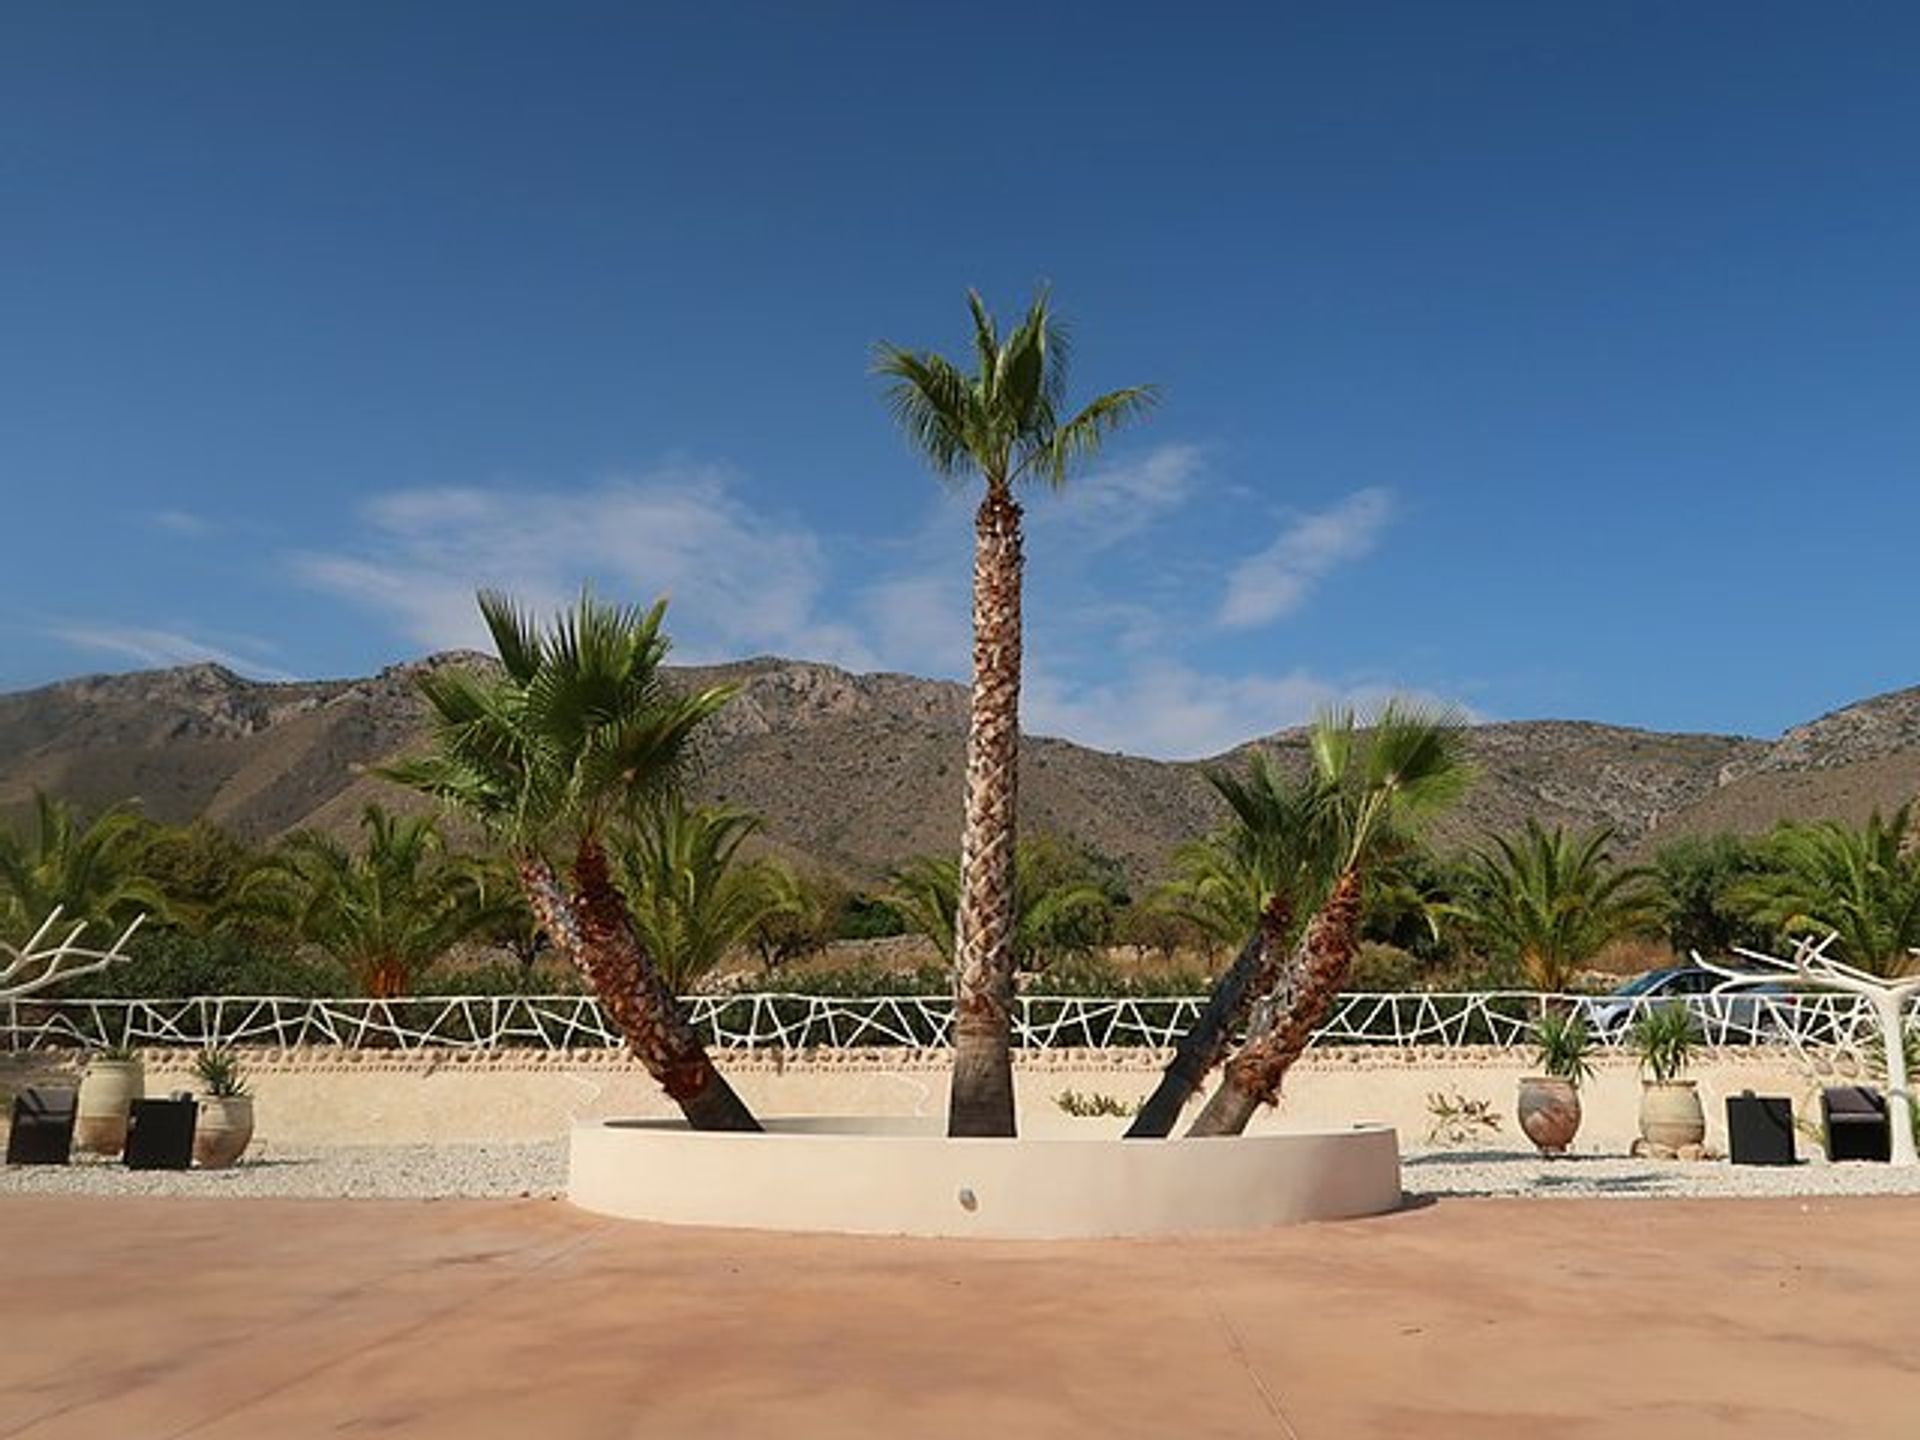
(1094, 1105)
(1459, 1120)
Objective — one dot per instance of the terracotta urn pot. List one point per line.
(223, 1130)
(1549, 1112)
(1671, 1114)
(107, 1093)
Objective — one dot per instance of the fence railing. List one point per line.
(787, 1022)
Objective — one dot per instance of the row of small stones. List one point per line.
(1118, 1058)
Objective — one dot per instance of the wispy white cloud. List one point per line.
(1277, 581)
(1170, 710)
(916, 609)
(1109, 664)
(181, 522)
(920, 623)
(158, 647)
(740, 580)
(1120, 500)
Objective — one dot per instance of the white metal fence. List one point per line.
(801, 1022)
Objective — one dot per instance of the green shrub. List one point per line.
(173, 964)
(868, 917)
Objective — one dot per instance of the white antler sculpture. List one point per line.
(1811, 965)
(45, 961)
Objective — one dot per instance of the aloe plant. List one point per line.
(1562, 1044)
(219, 1069)
(1664, 1039)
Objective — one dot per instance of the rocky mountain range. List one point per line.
(859, 771)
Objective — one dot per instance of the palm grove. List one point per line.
(562, 770)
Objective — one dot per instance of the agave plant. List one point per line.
(1006, 420)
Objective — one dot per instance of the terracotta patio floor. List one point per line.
(220, 1318)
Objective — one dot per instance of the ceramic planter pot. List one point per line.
(107, 1093)
(1549, 1112)
(1671, 1114)
(223, 1130)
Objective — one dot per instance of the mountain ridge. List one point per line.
(859, 770)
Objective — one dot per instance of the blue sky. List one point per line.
(1556, 360)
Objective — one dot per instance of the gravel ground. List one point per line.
(358, 1172)
(503, 1169)
(1491, 1172)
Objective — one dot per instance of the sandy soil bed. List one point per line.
(1456, 1320)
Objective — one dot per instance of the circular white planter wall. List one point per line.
(874, 1176)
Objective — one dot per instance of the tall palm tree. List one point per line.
(1005, 420)
(693, 899)
(1863, 883)
(94, 870)
(385, 912)
(1550, 901)
(1385, 782)
(1275, 859)
(576, 735)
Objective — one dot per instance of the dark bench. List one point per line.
(42, 1131)
(1856, 1124)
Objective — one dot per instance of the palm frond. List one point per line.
(933, 404)
(1081, 437)
(516, 637)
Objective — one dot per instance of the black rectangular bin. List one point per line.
(1760, 1129)
(160, 1134)
(1856, 1124)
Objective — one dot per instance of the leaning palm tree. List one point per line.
(1006, 420)
(1386, 782)
(575, 736)
(1550, 901)
(693, 899)
(1274, 860)
(386, 912)
(1862, 884)
(91, 870)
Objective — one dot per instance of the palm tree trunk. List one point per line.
(1251, 975)
(593, 931)
(1309, 981)
(982, 1095)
